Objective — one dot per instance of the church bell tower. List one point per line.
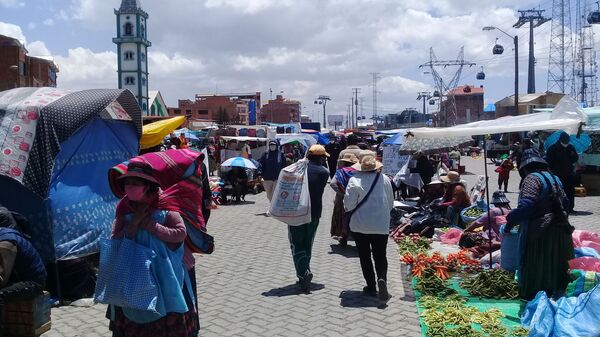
(132, 45)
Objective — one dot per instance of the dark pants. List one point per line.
(502, 181)
(375, 244)
(301, 242)
(568, 183)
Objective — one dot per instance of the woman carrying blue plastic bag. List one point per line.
(141, 218)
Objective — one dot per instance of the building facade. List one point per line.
(237, 108)
(132, 50)
(464, 104)
(17, 69)
(157, 104)
(281, 110)
(527, 103)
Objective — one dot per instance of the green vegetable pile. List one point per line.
(429, 284)
(413, 244)
(493, 283)
(474, 212)
(450, 317)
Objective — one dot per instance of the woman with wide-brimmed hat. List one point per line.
(141, 216)
(545, 243)
(456, 197)
(338, 184)
(370, 198)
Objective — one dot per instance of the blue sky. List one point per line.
(303, 48)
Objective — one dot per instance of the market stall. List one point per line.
(56, 148)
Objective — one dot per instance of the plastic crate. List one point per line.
(29, 318)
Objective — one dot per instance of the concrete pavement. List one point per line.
(247, 286)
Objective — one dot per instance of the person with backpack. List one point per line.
(370, 198)
(545, 243)
(504, 173)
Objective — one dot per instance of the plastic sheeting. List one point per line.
(154, 133)
(567, 116)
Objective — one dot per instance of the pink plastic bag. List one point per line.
(451, 237)
(586, 239)
(585, 263)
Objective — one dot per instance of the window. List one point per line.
(202, 112)
(143, 56)
(152, 110)
(177, 112)
(128, 55)
(130, 80)
(128, 29)
(143, 81)
(144, 107)
(143, 31)
(188, 111)
(22, 71)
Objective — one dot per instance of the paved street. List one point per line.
(246, 288)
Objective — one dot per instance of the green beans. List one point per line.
(493, 283)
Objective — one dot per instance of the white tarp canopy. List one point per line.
(305, 139)
(244, 138)
(567, 116)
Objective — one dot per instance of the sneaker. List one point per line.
(305, 281)
(383, 291)
(370, 291)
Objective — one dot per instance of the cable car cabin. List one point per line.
(436, 94)
(594, 17)
(432, 102)
(498, 50)
(480, 75)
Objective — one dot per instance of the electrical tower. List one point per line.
(560, 60)
(424, 96)
(376, 77)
(444, 86)
(535, 19)
(585, 64)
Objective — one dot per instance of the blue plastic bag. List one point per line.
(124, 276)
(538, 316)
(578, 316)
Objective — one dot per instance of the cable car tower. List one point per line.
(443, 86)
(586, 68)
(560, 60)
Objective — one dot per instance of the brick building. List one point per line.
(224, 109)
(280, 110)
(469, 106)
(17, 69)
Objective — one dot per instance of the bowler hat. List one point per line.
(141, 170)
(531, 156)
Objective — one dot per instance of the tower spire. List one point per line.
(132, 44)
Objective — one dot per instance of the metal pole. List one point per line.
(487, 196)
(516, 39)
(324, 117)
(531, 73)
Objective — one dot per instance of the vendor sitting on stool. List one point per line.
(22, 272)
(456, 198)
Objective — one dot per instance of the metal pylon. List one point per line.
(560, 63)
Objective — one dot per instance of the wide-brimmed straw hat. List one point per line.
(451, 177)
(141, 170)
(367, 164)
(318, 150)
(531, 156)
(349, 158)
(435, 182)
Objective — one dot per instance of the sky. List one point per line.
(301, 48)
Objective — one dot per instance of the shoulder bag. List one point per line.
(348, 215)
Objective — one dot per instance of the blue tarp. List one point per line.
(397, 139)
(82, 206)
(490, 107)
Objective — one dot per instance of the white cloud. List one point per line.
(248, 6)
(31, 25)
(84, 69)
(38, 48)
(11, 3)
(11, 30)
(49, 22)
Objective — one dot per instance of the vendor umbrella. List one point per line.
(187, 135)
(581, 142)
(239, 162)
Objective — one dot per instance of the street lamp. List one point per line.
(516, 42)
(323, 100)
